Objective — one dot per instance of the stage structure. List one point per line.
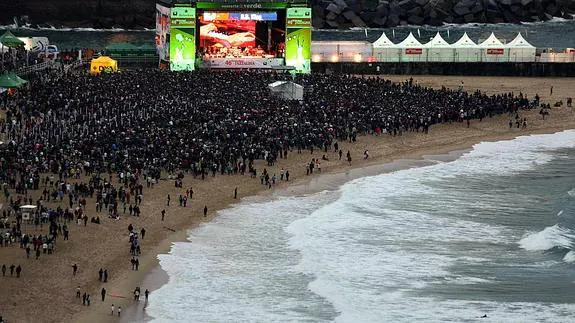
(217, 34)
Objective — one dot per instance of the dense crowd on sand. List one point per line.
(123, 132)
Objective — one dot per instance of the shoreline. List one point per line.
(157, 277)
(105, 245)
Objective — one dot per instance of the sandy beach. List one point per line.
(46, 290)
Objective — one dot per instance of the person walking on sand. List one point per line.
(146, 294)
(163, 214)
(3, 270)
(103, 292)
(100, 274)
(236, 191)
(78, 294)
(105, 275)
(119, 310)
(18, 271)
(74, 269)
(168, 200)
(205, 211)
(349, 157)
(112, 309)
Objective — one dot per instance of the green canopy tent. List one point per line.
(121, 47)
(148, 47)
(9, 40)
(11, 81)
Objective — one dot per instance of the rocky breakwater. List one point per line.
(132, 14)
(344, 14)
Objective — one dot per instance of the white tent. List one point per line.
(322, 51)
(466, 50)
(412, 50)
(520, 50)
(287, 90)
(493, 50)
(384, 50)
(438, 50)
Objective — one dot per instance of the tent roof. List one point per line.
(519, 41)
(280, 83)
(9, 40)
(410, 41)
(491, 41)
(437, 41)
(464, 41)
(383, 41)
(277, 83)
(103, 59)
(122, 47)
(10, 81)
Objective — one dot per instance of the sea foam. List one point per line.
(372, 251)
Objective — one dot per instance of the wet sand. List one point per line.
(49, 281)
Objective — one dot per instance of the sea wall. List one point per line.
(468, 69)
(344, 14)
(338, 14)
(131, 14)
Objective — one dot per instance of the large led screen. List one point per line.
(226, 33)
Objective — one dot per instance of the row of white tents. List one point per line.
(436, 50)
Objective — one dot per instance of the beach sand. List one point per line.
(46, 290)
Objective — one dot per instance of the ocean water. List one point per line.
(490, 233)
(557, 33)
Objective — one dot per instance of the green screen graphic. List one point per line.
(298, 39)
(183, 39)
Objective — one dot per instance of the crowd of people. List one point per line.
(158, 120)
(124, 130)
(137, 124)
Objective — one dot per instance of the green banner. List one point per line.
(182, 39)
(220, 5)
(298, 39)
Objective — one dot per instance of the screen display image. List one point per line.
(298, 40)
(227, 33)
(182, 49)
(241, 34)
(183, 39)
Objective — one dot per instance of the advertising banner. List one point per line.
(224, 16)
(242, 62)
(413, 51)
(241, 5)
(495, 51)
(298, 39)
(182, 39)
(163, 31)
